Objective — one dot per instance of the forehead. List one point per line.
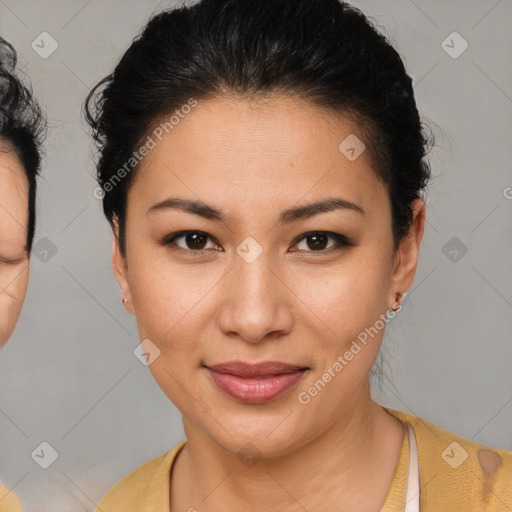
(13, 196)
(12, 173)
(266, 127)
(268, 149)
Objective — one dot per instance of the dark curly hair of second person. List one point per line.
(22, 126)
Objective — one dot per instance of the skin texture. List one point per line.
(295, 304)
(14, 258)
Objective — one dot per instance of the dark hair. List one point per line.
(324, 51)
(22, 127)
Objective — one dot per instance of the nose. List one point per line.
(256, 303)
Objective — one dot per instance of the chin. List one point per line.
(265, 446)
(4, 337)
(254, 432)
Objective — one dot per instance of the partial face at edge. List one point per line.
(302, 301)
(14, 259)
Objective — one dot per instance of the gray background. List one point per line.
(69, 377)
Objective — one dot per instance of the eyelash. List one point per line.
(341, 241)
(10, 262)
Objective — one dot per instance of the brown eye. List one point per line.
(318, 241)
(194, 241)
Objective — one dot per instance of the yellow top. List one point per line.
(455, 475)
(8, 501)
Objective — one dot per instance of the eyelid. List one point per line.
(11, 262)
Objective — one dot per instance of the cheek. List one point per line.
(167, 296)
(348, 337)
(13, 286)
(347, 298)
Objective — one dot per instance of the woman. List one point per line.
(21, 133)
(262, 166)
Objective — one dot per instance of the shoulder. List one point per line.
(146, 488)
(456, 471)
(8, 501)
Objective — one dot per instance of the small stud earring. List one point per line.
(397, 305)
(124, 301)
(398, 300)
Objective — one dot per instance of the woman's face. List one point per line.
(261, 283)
(14, 258)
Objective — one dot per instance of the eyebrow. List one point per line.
(202, 209)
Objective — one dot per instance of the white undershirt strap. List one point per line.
(412, 502)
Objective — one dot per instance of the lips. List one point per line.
(264, 369)
(255, 383)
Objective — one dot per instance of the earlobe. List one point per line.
(120, 269)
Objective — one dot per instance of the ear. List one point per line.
(407, 253)
(120, 268)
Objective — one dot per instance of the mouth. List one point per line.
(255, 383)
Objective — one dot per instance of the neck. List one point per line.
(331, 472)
